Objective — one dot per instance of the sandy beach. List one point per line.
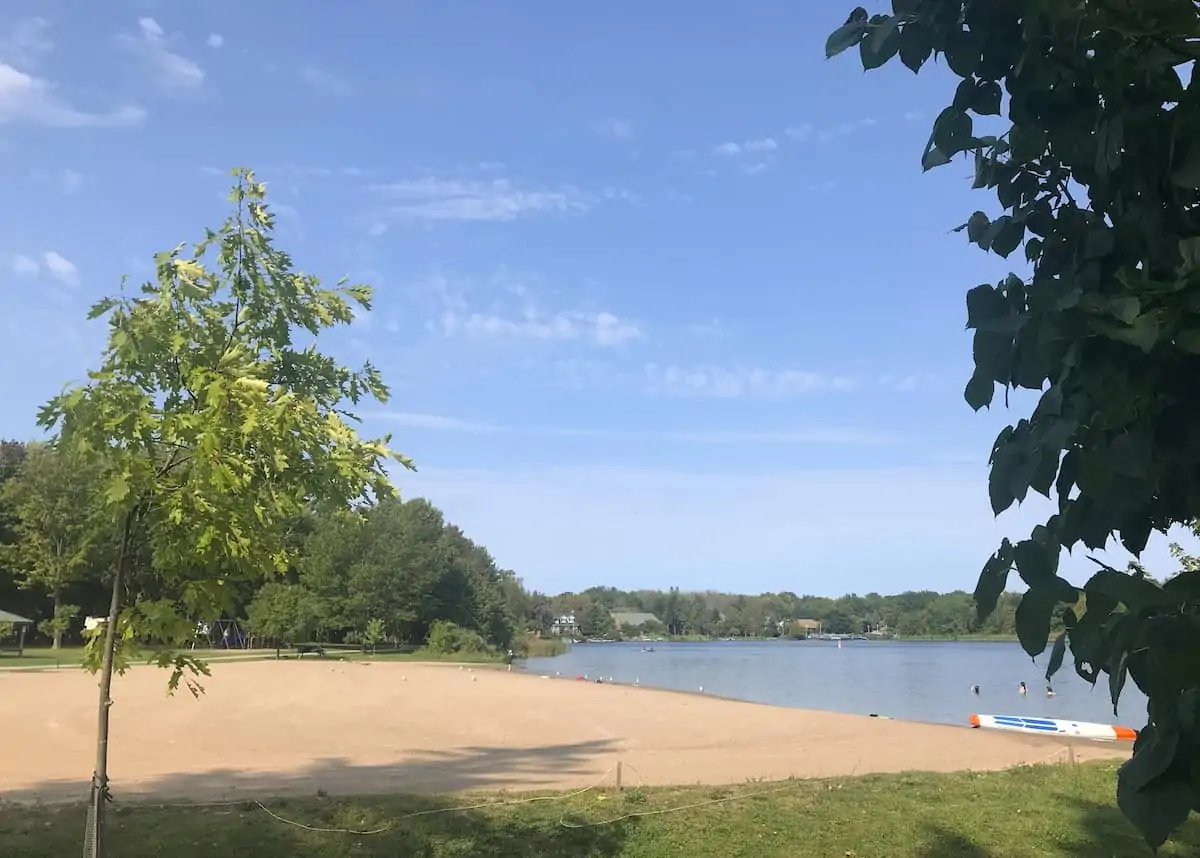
(296, 727)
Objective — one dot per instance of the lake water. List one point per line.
(911, 681)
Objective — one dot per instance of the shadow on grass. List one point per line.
(945, 843)
(365, 828)
(1096, 830)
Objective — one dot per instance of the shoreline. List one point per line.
(267, 728)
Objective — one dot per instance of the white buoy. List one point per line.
(701, 689)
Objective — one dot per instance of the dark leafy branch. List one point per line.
(1097, 179)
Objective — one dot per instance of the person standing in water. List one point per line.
(975, 690)
(1022, 690)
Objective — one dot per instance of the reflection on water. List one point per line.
(913, 681)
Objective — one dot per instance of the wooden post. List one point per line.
(22, 628)
(618, 775)
(1071, 753)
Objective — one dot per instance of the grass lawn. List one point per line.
(73, 656)
(1037, 812)
(42, 657)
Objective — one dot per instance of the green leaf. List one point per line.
(962, 52)
(1130, 456)
(1143, 333)
(1127, 308)
(1154, 789)
(881, 45)
(952, 131)
(118, 489)
(916, 45)
(1005, 235)
(999, 490)
(977, 225)
(1033, 249)
(933, 157)
(101, 307)
(1036, 563)
(1187, 172)
(848, 35)
(985, 303)
(985, 98)
(1033, 621)
(1057, 653)
(992, 581)
(980, 391)
(1135, 593)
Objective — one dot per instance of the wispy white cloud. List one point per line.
(622, 129)
(765, 144)
(27, 42)
(711, 328)
(739, 381)
(601, 329)
(70, 180)
(755, 167)
(797, 436)
(324, 80)
(173, 70)
(436, 199)
(215, 40)
(844, 129)
(435, 422)
(60, 268)
(30, 100)
(25, 266)
(800, 133)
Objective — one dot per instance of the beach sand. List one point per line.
(296, 727)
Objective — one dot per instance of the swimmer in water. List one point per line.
(1022, 690)
(1049, 691)
(975, 690)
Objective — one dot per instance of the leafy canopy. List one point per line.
(58, 540)
(1097, 177)
(213, 419)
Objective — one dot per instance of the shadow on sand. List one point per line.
(157, 822)
(428, 773)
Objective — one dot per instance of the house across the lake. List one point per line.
(804, 628)
(564, 625)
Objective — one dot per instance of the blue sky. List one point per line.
(663, 296)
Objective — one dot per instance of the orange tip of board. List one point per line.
(974, 720)
(1127, 734)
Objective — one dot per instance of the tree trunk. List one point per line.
(57, 628)
(94, 836)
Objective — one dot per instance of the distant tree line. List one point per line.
(394, 573)
(922, 613)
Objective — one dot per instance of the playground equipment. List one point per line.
(221, 634)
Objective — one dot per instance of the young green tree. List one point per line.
(212, 421)
(1097, 177)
